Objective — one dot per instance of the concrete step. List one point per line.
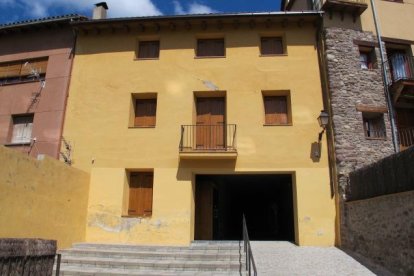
(200, 258)
(76, 270)
(176, 265)
(204, 246)
(135, 254)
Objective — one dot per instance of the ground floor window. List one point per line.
(140, 193)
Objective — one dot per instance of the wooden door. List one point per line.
(204, 211)
(140, 194)
(210, 125)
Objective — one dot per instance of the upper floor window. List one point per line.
(277, 110)
(367, 58)
(271, 46)
(210, 47)
(145, 112)
(149, 49)
(22, 128)
(374, 126)
(23, 70)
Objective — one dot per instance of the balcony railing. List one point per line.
(208, 138)
(406, 137)
(402, 67)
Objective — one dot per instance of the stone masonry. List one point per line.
(349, 87)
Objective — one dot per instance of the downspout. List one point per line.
(385, 79)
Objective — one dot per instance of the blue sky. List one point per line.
(16, 10)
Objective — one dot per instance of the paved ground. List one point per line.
(285, 258)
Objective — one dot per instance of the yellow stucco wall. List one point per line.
(42, 199)
(105, 75)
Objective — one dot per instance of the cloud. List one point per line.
(117, 8)
(199, 8)
(178, 8)
(193, 8)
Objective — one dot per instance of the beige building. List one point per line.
(187, 122)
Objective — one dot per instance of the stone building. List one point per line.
(363, 104)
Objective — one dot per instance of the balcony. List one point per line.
(354, 7)
(406, 136)
(208, 141)
(402, 77)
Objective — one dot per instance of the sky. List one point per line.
(17, 10)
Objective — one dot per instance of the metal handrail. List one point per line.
(248, 250)
(216, 138)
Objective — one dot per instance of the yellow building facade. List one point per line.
(272, 171)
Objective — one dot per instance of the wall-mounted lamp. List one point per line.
(323, 120)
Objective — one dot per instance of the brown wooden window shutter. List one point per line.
(276, 110)
(210, 47)
(140, 193)
(149, 49)
(145, 112)
(271, 46)
(374, 126)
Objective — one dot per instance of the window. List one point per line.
(140, 193)
(271, 46)
(367, 58)
(374, 126)
(145, 112)
(23, 70)
(276, 110)
(210, 48)
(22, 129)
(149, 49)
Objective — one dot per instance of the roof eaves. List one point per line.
(196, 16)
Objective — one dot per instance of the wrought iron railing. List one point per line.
(406, 136)
(248, 250)
(401, 67)
(220, 137)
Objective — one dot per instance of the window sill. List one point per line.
(147, 58)
(141, 127)
(135, 216)
(266, 125)
(274, 55)
(202, 57)
(373, 138)
(20, 82)
(17, 144)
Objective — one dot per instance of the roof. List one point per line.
(45, 20)
(197, 16)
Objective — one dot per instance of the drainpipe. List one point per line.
(385, 79)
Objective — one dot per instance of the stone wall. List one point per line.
(350, 86)
(27, 257)
(382, 230)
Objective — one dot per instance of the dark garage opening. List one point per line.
(266, 201)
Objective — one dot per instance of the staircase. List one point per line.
(200, 258)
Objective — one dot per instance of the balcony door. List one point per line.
(210, 123)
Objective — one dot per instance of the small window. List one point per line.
(145, 112)
(271, 46)
(140, 193)
(276, 110)
(22, 129)
(210, 47)
(374, 126)
(23, 70)
(367, 58)
(149, 49)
